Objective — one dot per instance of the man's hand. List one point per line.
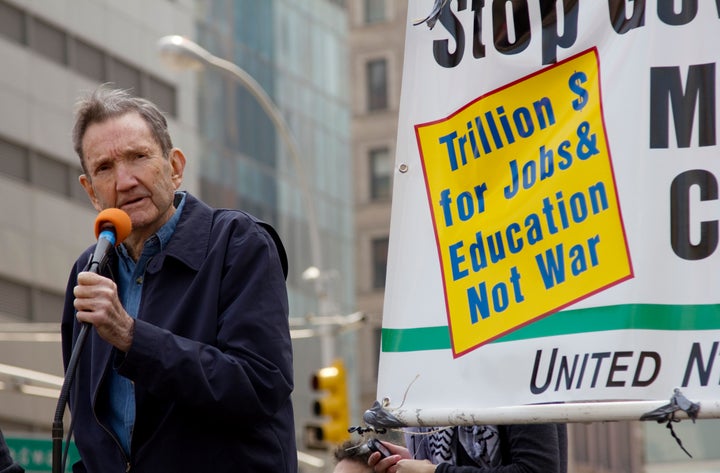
(97, 303)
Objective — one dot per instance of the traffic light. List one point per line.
(333, 404)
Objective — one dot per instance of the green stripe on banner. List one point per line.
(596, 319)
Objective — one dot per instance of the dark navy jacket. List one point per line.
(211, 358)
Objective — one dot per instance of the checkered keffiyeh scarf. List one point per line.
(440, 445)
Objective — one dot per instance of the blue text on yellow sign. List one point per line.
(524, 203)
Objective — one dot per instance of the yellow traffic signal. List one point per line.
(334, 404)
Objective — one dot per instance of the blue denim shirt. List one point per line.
(130, 284)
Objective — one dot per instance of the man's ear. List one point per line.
(177, 164)
(87, 185)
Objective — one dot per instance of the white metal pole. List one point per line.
(544, 413)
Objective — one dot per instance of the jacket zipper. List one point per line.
(112, 435)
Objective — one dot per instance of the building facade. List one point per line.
(377, 39)
(55, 51)
(52, 53)
(296, 50)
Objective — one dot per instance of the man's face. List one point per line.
(351, 466)
(126, 169)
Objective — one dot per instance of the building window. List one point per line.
(12, 23)
(623, 445)
(14, 160)
(15, 299)
(580, 452)
(379, 262)
(125, 76)
(42, 171)
(49, 41)
(89, 61)
(76, 190)
(47, 306)
(49, 174)
(377, 89)
(26, 303)
(92, 62)
(374, 11)
(162, 95)
(380, 175)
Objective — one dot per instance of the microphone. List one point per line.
(112, 226)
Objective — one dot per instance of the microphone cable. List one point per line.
(112, 226)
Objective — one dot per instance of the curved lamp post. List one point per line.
(182, 53)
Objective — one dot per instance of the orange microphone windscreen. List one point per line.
(120, 221)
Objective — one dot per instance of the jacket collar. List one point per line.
(189, 244)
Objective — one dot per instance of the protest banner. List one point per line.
(554, 230)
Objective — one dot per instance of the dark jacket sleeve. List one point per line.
(526, 448)
(7, 465)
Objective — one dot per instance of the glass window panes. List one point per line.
(125, 76)
(379, 262)
(76, 190)
(13, 160)
(89, 61)
(14, 299)
(12, 23)
(377, 84)
(49, 41)
(603, 446)
(162, 94)
(380, 174)
(579, 434)
(49, 174)
(374, 11)
(622, 441)
(210, 191)
(47, 306)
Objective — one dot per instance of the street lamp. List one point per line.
(182, 53)
(326, 307)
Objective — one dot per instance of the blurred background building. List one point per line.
(334, 70)
(376, 39)
(54, 51)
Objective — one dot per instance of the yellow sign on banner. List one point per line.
(524, 203)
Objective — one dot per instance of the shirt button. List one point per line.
(139, 280)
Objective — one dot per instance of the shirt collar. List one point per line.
(167, 230)
(162, 236)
